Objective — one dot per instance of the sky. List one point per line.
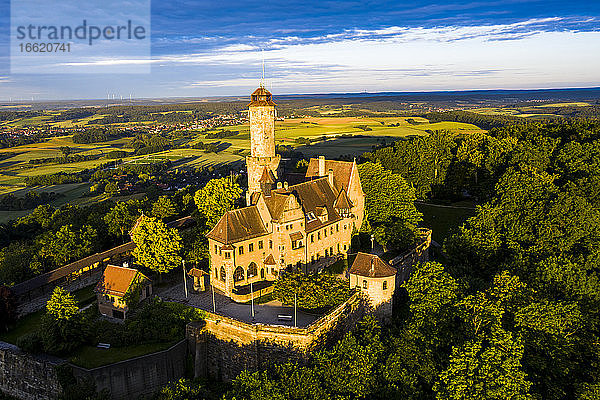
(216, 48)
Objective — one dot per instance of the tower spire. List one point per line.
(262, 79)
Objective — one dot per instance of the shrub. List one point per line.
(312, 290)
(30, 342)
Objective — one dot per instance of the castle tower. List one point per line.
(262, 159)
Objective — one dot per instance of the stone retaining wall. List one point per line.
(224, 347)
(139, 376)
(26, 376)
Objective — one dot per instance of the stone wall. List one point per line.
(404, 263)
(26, 376)
(35, 301)
(138, 376)
(224, 347)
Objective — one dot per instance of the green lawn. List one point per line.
(92, 357)
(27, 324)
(444, 220)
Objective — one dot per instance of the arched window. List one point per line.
(238, 275)
(365, 284)
(223, 274)
(252, 270)
(262, 273)
(384, 285)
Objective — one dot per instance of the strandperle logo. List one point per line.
(89, 33)
(74, 37)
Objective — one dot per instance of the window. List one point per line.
(223, 274)
(252, 270)
(325, 232)
(260, 244)
(332, 230)
(312, 259)
(337, 227)
(251, 247)
(310, 217)
(326, 253)
(216, 250)
(319, 235)
(227, 255)
(312, 237)
(270, 244)
(241, 250)
(238, 274)
(365, 284)
(384, 285)
(331, 250)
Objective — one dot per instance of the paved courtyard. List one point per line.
(266, 313)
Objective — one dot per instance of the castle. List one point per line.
(283, 227)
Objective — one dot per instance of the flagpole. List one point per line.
(184, 280)
(213, 296)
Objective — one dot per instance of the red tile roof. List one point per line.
(370, 265)
(117, 280)
(342, 171)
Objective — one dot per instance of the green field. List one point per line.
(15, 168)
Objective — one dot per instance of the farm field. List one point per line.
(15, 167)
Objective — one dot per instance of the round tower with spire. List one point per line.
(261, 113)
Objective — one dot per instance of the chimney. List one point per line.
(321, 166)
(330, 176)
(285, 185)
(279, 185)
(372, 265)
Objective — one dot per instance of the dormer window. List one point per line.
(310, 217)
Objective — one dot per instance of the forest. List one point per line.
(510, 308)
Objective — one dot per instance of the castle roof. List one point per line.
(316, 197)
(261, 97)
(371, 266)
(117, 280)
(342, 201)
(238, 225)
(342, 171)
(267, 176)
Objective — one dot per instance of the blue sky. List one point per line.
(210, 48)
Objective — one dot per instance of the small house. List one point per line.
(375, 278)
(119, 285)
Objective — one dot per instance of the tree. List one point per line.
(62, 305)
(122, 216)
(157, 246)
(8, 308)
(68, 244)
(488, 369)
(182, 389)
(61, 328)
(311, 290)
(163, 208)
(388, 195)
(65, 150)
(217, 197)
(111, 188)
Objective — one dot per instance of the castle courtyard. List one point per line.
(266, 313)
